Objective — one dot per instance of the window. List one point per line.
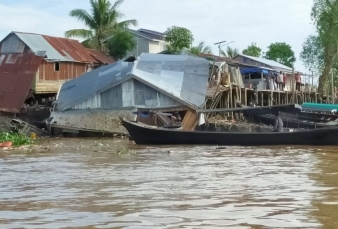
(57, 66)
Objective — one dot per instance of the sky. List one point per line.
(242, 21)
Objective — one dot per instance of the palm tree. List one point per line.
(102, 22)
(230, 52)
(200, 48)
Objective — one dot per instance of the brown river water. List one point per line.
(101, 184)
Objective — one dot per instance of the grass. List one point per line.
(17, 139)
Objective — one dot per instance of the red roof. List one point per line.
(70, 48)
(17, 72)
(100, 56)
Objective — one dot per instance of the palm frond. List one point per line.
(82, 33)
(84, 16)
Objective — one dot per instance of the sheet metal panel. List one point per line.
(70, 49)
(184, 77)
(17, 72)
(36, 42)
(12, 44)
(94, 82)
(268, 62)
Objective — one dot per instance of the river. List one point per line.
(115, 184)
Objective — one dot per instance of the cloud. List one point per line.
(241, 21)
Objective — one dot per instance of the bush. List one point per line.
(17, 139)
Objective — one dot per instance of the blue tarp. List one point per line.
(253, 70)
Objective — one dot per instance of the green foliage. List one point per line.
(178, 38)
(282, 53)
(101, 22)
(201, 48)
(17, 139)
(253, 50)
(230, 52)
(312, 54)
(320, 50)
(120, 44)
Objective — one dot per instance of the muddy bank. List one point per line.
(45, 145)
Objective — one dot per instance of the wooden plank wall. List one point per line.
(67, 71)
(190, 121)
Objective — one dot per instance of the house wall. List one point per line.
(157, 46)
(141, 46)
(48, 80)
(131, 93)
(12, 44)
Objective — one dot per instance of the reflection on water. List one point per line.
(182, 187)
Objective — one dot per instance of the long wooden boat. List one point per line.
(144, 134)
(292, 118)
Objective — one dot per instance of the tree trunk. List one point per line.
(323, 86)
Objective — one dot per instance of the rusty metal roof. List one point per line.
(17, 72)
(71, 49)
(100, 56)
(57, 48)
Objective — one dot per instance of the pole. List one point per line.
(332, 87)
(312, 81)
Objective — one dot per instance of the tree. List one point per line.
(120, 44)
(229, 52)
(252, 50)
(101, 22)
(282, 53)
(200, 48)
(178, 38)
(320, 50)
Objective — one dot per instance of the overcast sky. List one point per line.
(241, 21)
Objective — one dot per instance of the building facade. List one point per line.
(64, 59)
(147, 41)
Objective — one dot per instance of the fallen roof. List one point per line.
(181, 77)
(17, 72)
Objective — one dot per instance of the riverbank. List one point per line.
(46, 145)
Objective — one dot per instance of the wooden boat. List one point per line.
(144, 134)
(6, 144)
(292, 117)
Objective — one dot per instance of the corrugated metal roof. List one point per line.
(184, 77)
(37, 43)
(181, 77)
(57, 48)
(17, 72)
(100, 56)
(148, 34)
(89, 84)
(272, 63)
(72, 50)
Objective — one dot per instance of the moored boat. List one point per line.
(144, 134)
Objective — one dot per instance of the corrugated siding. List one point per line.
(92, 103)
(12, 44)
(149, 97)
(67, 71)
(128, 93)
(112, 97)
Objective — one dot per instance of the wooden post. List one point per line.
(293, 85)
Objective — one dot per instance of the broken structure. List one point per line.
(153, 82)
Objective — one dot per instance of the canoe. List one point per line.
(144, 134)
(6, 144)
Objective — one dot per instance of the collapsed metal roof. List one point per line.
(17, 72)
(181, 77)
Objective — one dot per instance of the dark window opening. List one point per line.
(57, 66)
